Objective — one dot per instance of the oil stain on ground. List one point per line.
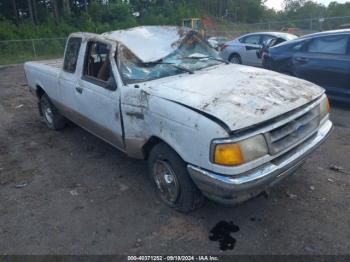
(222, 233)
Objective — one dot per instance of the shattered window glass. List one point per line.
(193, 54)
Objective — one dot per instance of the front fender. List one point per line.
(188, 132)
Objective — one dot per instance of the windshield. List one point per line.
(193, 54)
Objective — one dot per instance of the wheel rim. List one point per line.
(47, 112)
(235, 60)
(166, 181)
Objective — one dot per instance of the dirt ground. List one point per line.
(70, 193)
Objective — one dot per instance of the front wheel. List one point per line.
(171, 180)
(53, 119)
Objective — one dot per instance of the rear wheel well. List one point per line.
(234, 54)
(39, 91)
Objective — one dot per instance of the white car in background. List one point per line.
(243, 50)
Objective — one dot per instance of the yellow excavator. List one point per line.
(195, 24)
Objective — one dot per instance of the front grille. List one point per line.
(284, 137)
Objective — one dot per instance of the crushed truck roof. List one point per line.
(150, 43)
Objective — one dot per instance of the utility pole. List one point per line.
(55, 10)
(86, 6)
(311, 25)
(15, 11)
(35, 12)
(30, 8)
(66, 7)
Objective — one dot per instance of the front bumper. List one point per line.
(232, 190)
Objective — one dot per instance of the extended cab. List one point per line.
(163, 94)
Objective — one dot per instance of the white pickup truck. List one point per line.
(206, 127)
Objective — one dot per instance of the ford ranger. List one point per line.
(162, 93)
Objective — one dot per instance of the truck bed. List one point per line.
(43, 74)
(56, 63)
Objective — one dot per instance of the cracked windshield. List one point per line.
(193, 54)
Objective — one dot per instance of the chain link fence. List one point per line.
(19, 51)
(306, 26)
(299, 27)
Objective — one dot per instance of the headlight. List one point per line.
(324, 107)
(232, 154)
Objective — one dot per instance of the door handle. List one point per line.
(79, 89)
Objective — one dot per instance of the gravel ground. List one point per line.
(70, 193)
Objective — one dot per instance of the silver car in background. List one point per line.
(217, 42)
(243, 50)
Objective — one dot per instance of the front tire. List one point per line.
(171, 180)
(53, 119)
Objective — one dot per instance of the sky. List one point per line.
(278, 4)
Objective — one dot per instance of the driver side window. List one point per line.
(97, 64)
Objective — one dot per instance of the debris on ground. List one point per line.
(253, 219)
(330, 180)
(74, 192)
(123, 188)
(138, 242)
(33, 144)
(21, 185)
(312, 188)
(310, 249)
(338, 169)
(265, 194)
(19, 106)
(291, 196)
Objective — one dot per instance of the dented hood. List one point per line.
(239, 96)
(150, 43)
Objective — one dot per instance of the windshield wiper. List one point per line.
(206, 57)
(171, 64)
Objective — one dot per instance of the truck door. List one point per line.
(67, 80)
(97, 95)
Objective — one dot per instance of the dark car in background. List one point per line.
(322, 58)
(271, 43)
